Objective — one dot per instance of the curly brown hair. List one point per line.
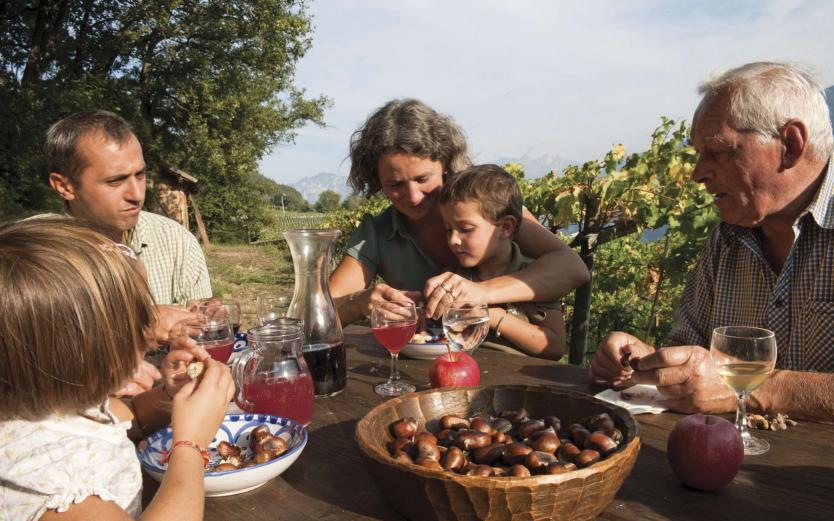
(409, 126)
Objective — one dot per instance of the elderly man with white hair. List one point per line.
(765, 142)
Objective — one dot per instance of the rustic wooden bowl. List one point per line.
(423, 494)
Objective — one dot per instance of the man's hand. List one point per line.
(446, 289)
(168, 322)
(608, 368)
(685, 376)
(144, 377)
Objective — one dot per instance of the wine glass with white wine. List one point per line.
(744, 358)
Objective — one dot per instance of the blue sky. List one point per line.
(536, 77)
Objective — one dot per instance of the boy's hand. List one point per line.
(446, 289)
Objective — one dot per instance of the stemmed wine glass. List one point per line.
(269, 309)
(393, 325)
(744, 358)
(214, 334)
(466, 325)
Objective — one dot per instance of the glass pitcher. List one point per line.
(323, 348)
(272, 376)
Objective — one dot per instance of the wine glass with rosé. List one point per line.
(214, 335)
(393, 325)
(744, 357)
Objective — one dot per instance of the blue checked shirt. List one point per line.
(733, 285)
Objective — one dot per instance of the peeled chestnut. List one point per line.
(258, 433)
(226, 450)
(404, 428)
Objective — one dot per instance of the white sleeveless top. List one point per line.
(63, 459)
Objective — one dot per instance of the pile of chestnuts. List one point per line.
(264, 446)
(511, 444)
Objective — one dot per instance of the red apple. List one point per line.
(705, 451)
(461, 370)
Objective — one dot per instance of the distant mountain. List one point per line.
(535, 167)
(311, 187)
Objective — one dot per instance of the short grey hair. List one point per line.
(763, 96)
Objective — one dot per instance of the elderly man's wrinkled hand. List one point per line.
(610, 365)
(447, 289)
(687, 379)
(169, 321)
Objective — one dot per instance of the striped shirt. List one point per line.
(172, 256)
(733, 285)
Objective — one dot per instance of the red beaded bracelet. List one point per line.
(166, 454)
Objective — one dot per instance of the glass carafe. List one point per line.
(323, 348)
(272, 376)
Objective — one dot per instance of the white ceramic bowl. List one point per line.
(234, 429)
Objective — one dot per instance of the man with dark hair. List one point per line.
(96, 165)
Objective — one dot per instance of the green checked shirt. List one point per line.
(733, 285)
(175, 263)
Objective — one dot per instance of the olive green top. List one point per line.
(384, 244)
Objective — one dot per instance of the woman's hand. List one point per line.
(380, 294)
(200, 405)
(446, 289)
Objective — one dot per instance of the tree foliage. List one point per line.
(208, 85)
(328, 201)
(610, 207)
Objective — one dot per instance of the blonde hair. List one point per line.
(73, 317)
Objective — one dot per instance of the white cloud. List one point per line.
(537, 77)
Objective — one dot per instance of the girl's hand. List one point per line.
(200, 405)
(184, 350)
(446, 289)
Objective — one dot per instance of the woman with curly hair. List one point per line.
(405, 149)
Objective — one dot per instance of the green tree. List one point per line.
(352, 202)
(619, 196)
(328, 201)
(208, 84)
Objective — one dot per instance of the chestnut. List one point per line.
(500, 471)
(425, 449)
(599, 422)
(553, 422)
(616, 435)
(274, 444)
(446, 437)
(500, 437)
(469, 439)
(488, 455)
(567, 452)
(483, 471)
(560, 467)
(586, 457)
(429, 464)
(515, 453)
(579, 436)
(481, 425)
(502, 425)
(453, 422)
(263, 457)
(454, 459)
(537, 459)
(514, 415)
(600, 443)
(427, 436)
(400, 444)
(545, 441)
(402, 457)
(404, 428)
(528, 427)
(519, 471)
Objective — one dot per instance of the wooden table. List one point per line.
(795, 480)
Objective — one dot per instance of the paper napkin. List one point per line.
(637, 399)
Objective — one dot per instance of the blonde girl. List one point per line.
(75, 318)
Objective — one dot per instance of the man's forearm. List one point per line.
(800, 395)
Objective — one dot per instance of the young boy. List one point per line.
(481, 208)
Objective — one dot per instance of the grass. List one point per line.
(244, 273)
